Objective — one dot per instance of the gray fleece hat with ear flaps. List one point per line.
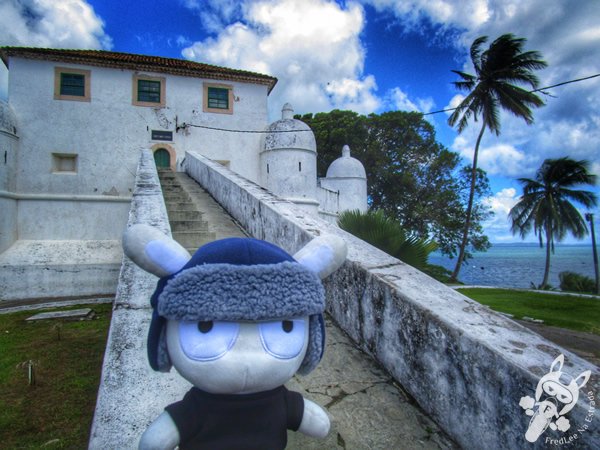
(238, 279)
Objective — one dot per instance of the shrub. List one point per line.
(388, 235)
(574, 282)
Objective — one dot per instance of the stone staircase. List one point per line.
(195, 218)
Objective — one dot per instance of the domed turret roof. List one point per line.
(346, 166)
(8, 120)
(289, 133)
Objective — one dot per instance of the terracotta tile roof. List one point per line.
(137, 62)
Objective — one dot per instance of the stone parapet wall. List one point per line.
(465, 365)
(329, 201)
(131, 394)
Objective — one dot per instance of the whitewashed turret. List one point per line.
(288, 161)
(347, 176)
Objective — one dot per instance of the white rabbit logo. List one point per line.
(556, 394)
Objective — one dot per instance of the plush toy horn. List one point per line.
(154, 251)
(323, 255)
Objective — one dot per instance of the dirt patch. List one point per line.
(585, 345)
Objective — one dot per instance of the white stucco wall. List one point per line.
(8, 222)
(72, 219)
(328, 200)
(107, 134)
(353, 192)
(292, 172)
(8, 164)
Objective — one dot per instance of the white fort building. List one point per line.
(72, 133)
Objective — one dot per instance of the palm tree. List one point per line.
(388, 235)
(545, 206)
(491, 88)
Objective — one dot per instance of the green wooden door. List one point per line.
(162, 159)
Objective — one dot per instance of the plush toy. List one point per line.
(237, 320)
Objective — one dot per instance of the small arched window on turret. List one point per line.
(300, 166)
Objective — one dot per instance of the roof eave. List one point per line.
(47, 55)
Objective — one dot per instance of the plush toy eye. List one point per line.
(205, 327)
(283, 339)
(207, 340)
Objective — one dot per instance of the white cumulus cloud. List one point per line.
(459, 13)
(498, 226)
(313, 47)
(400, 100)
(49, 23)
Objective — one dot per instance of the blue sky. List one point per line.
(364, 55)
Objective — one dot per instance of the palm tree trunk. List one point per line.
(465, 237)
(548, 251)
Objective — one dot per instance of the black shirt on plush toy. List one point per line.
(237, 319)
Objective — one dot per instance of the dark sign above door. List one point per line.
(159, 135)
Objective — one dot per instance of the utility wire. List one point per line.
(534, 90)
(567, 82)
(186, 125)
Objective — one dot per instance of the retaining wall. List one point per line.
(466, 366)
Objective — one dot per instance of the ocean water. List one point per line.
(519, 265)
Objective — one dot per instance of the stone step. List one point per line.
(176, 197)
(193, 239)
(199, 226)
(175, 215)
(168, 187)
(189, 207)
(181, 206)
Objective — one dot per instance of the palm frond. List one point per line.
(476, 52)
(546, 200)
(500, 69)
(516, 101)
(465, 110)
(387, 235)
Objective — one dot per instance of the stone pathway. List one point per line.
(367, 408)
(585, 345)
(11, 306)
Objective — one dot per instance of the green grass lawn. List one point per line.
(566, 311)
(67, 366)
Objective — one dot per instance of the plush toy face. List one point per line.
(237, 357)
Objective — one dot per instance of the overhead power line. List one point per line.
(566, 82)
(206, 127)
(534, 90)
(185, 125)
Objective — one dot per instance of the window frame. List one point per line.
(87, 82)
(230, 98)
(134, 90)
(59, 158)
